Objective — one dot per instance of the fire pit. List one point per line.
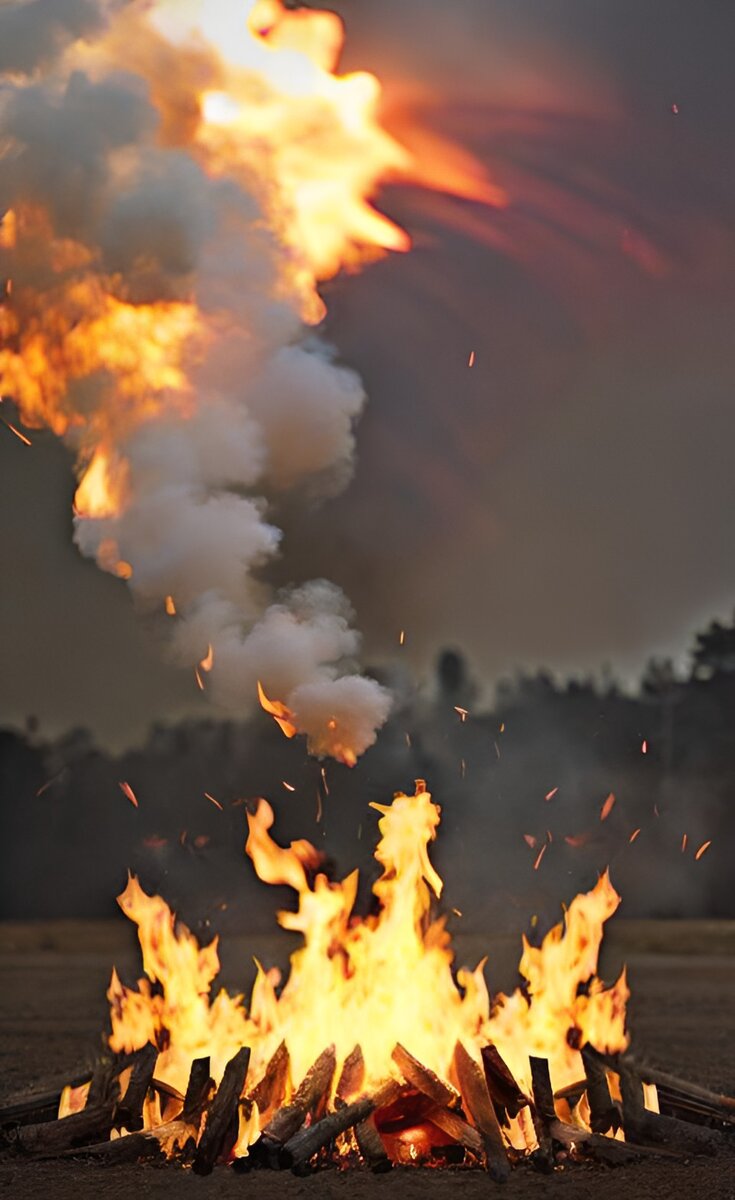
(372, 1054)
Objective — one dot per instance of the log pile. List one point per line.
(331, 1118)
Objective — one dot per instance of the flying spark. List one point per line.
(216, 803)
(170, 606)
(471, 360)
(126, 790)
(550, 795)
(633, 836)
(684, 841)
(17, 432)
(702, 850)
(288, 786)
(540, 855)
(607, 807)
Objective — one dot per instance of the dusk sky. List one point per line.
(566, 501)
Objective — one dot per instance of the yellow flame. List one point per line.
(379, 980)
(280, 713)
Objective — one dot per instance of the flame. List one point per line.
(381, 980)
(280, 713)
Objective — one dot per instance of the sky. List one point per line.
(566, 501)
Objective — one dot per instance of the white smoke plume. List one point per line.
(160, 269)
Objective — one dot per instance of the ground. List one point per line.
(52, 983)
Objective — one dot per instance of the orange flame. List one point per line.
(382, 979)
(280, 713)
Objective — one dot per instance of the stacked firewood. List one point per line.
(330, 1119)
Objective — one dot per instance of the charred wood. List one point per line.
(50, 1138)
(307, 1142)
(198, 1091)
(604, 1113)
(221, 1122)
(310, 1098)
(370, 1145)
(459, 1131)
(424, 1080)
(270, 1092)
(501, 1084)
(352, 1076)
(642, 1126)
(478, 1105)
(129, 1112)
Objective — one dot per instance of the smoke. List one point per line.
(161, 269)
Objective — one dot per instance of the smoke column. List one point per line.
(175, 181)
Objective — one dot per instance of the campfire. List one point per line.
(373, 1052)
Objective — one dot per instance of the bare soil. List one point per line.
(53, 979)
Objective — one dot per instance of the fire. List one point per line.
(280, 713)
(381, 980)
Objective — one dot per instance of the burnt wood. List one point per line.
(370, 1145)
(310, 1098)
(642, 1126)
(682, 1087)
(50, 1138)
(271, 1091)
(129, 1112)
(308, 1141)
(423, 1079)
(198, 1090)
(604, 1114)
(501, 1084)
(459, 1131)
(221, 1122)
(478, 1105)
(352, 1076)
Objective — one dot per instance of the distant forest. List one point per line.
(525, 790)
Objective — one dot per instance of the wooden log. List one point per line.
(459, 1131)
(501, 1084)
(270, 1092)
(134, 1147)
(604, 1113)
(642, 1126)
(478, 1105)
(38, 1106)
(308, 1141)
(584, 1144)
(681, 1086)
(129, 1112)
(352, 1076)
(310, 1098)
(370, 1145)
(198, 1091)
(543, 1114)
(50, 1138)
(423, 1079)
(221, 1122)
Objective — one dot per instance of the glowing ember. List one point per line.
(702, 850)
(126, 790)
(383, 979)
(607, 807)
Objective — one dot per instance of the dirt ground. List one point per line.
(52, 1009)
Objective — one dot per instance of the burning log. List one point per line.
(501, 1084)
(220, 1130)
(690, 1093)
(604, 1113)
(352, 1076)
(129, 1112)
(271, 1091)
(459, 1131)
(370, 1145)
(310, 1098)
(38, 1107)
(308, 1141)
(198, 1091)
(424, 1080)
(478, 1105)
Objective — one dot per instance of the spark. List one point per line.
(123, 570)
(530, 840)
(462, 767)
(549, 838)
(408, 740)
(471, 360)
(324, 781)
(170, 606)
(319, 808)
(402, 637)
(22, 437)
(200, 681)
(577, 839)
(182, 837)
(502, 727)
(607, 807)
(288, 786)
(675, 109)
(540, 855)
(154, 842)
(633, 836)
(550, 795)
(684, 841)
(702, 850)
(201, 841)
(207, 662)
(497, 749)
(656, 813)
(126, 790)
(463, 712)
(216, 803)
(457, 912)
(644, 747)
